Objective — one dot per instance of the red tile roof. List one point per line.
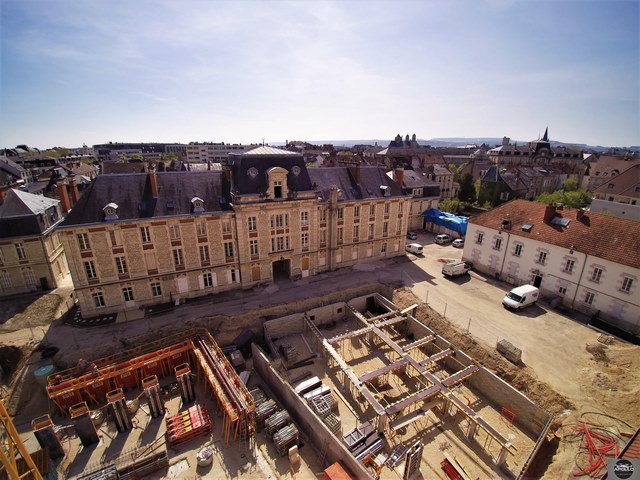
(603, 236)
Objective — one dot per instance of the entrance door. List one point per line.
(537, 281)
(44, 283)
(281, 269)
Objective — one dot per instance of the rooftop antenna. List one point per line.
(263, 141)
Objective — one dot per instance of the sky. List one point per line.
(94, 71)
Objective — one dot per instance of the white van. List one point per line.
(521, 297)
(455, 269)
(414, 248)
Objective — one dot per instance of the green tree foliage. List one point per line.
(570, 185)
(572, 199)
(456, 170)
(451, 205)
(467, 191)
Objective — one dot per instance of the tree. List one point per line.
(467, 191)
(451, 205)
(572, 199)
(456, 170)
(569, 185)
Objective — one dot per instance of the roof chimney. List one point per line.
(549, 213)
(580, 214)
(74, 190)
(399, 176)
(153, 181)
(355, 171)
(64, 196)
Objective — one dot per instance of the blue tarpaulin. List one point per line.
(453, 222)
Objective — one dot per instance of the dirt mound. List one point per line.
(598, 351)
(10, 357)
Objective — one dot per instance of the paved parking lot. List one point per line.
(551, 343)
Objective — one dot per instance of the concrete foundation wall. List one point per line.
(529, 416)
(304, 418)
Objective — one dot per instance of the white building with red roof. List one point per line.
(590, 261)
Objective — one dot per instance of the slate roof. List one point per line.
(119, 167)
(11, 167)
(603, 236)
(626, 183)
(19, 204)
(132, 193)
(242, 162)
(20, 214)
(371, 179)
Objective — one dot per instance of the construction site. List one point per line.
(348, 386)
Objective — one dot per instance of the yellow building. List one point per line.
(31, 255)
(139, 240)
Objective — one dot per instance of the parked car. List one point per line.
(443, 238)
(455, 269)
(414, 248)
(412, 235)
(521, 297)
(458, 243)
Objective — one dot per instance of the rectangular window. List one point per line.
(228, 249)
(145, 234)
(480, 238)
(562, 290)
(372, 210)
(356, 211)
(121, 264)
(386, 208)
(304, 239)
(589, 297)
(383, 247)
(498, 244)
(20, 251)
(5, 281)
(569, 266)
(207, 280)
(29, 277)
(356, 232)
(597, 275)
(177, 257)
(127, 293)
(371, 230)
(304, 218)
(174, 231)
(542, 258)
(323, 215)
(400, 205)
(253, 247)
(323, 238)
(518, 250)
(340, 235)
(90, 270)
(98, 299)
(204, 253)
(385, 229)
(340, 213)
(252, 224)
(83, 241)
(114, 238)
(156, 289)
(626, 284)
(226, 226)
(201, 228)
(279, 221)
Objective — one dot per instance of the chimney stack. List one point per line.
(75, 196)
(355, 171)
(153, 181)
(64, 196)
(549, 213)
(399, 176)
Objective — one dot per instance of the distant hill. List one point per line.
(447, 142)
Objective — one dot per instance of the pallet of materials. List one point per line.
(358, 436)
(188, 424)
(264, 411)
(259, 397)
(276, 422)
(285, 438)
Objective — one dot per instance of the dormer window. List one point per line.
(277, 183)
(110, 212)
(197, 204)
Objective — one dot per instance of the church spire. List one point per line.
(545, 138)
